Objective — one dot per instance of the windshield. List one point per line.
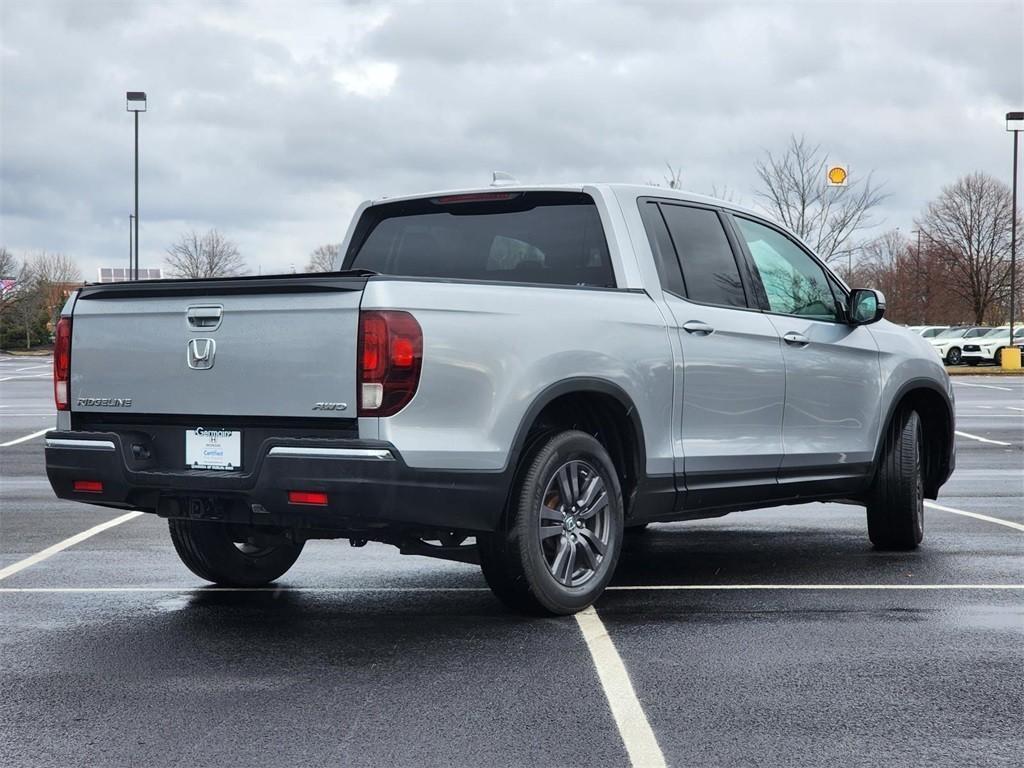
(553, 238)
(999, 331)
(952, 333)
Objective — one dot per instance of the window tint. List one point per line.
(553, 238)
(661, 247)
(709, 267)
(794, 282)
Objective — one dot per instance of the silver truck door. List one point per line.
(833, 379)
(733, 372)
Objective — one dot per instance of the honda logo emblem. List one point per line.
(200, 354)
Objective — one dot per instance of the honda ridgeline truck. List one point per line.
(510, 376)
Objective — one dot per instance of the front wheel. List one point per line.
(561, 542)
(232, 556)
(954, 356)
(896, 501)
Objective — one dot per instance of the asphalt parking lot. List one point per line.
(775, 637)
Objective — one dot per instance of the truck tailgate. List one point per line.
(273, 346)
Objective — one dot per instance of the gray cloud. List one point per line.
(271, 121)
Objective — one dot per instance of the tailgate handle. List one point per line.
(204, 318)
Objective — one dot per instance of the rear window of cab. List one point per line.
(549, 238)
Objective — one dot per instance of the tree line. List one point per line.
(31, 295)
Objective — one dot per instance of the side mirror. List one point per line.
(865, 306)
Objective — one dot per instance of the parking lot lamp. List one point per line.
(1014, 124)
(136, 104)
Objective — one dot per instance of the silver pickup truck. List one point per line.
(510, 376)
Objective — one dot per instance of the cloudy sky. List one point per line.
(271, 121)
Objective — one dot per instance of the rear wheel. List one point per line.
(232, 556)
(564, 533)
(953, 356)
(896, 502)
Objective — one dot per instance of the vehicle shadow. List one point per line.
(681, 554)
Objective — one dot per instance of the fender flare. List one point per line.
(947, 461)
(579, 384)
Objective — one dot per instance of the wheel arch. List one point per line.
(935, 409)
(597, 406)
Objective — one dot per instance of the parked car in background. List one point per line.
(989, 347)
(950, 343)
(930, 331)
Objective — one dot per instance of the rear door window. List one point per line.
(553, 238)
(710, 271)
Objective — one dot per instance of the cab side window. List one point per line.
(710, 272)
(794, 282)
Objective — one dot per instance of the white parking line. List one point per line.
(980, 439)
(983, 386)
(1014, 408)
(26, 438)
(629, 716)
(965, 513)
(21, 565)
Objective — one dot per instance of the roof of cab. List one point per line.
(636, 190)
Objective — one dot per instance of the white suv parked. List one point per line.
(988, 348)
(950, 344)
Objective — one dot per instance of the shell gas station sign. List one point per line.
(836, 175)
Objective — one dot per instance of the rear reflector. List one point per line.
(307, 497)
(88, 486)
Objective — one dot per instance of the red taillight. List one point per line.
(88, 486)
(307, 497)
(390, 356)
(62, 365)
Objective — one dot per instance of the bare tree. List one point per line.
(723, 193)
(673, 179)
(24, 302)
(10, 273)
(795, 192)
(8, 263)
(325, 258)
(970, 223)
(54, 277)
(207, 255)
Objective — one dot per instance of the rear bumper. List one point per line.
(367, 483)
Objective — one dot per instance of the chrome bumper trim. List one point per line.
(375, 454)
(82, 445)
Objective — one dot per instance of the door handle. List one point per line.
(796, 339)
(696, 326)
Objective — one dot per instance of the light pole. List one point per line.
(131, 229)
(136, 104)
(1014, 124)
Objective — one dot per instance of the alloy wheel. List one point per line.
(574, 523)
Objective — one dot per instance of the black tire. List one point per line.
(520, 563)
(210, 551)
(953, 356)
(896, 501)
(997, 358)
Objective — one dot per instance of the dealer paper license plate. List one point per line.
(213, 448)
